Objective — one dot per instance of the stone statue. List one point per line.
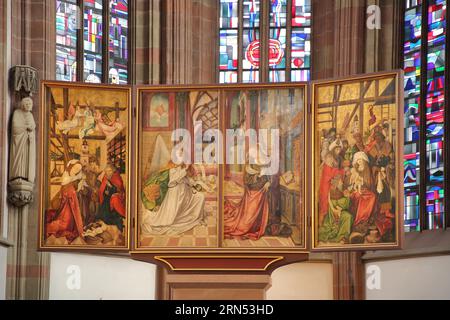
(22, 160)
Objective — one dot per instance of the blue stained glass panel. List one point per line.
(251, 13)
(118, 42)
(93, 37)
(229, 17)
(66, 40)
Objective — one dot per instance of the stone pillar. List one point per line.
(33, 44)
(349, 31)
(322, 39)
(384, 46)
(3, 111)
(189, 41)
(147, 39)
(392, 21)
(338, 50)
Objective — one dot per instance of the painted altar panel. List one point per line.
(357, 163)
(263, 184)
(220, 168)
(178, 193)
(85, 168)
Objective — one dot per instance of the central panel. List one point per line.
(221, 168)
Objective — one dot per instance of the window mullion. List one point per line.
(423, 117)
(264, 44)
(105, 42)
(240, 39)
(446, 120)
(288, 40)
(131, 43)
(80, 42)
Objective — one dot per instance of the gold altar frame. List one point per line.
(44, 169)
(134, 153)
(313, 201)
(207, 251)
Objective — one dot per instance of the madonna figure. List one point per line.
(67, 220)
(248, 220)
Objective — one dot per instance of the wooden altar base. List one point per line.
(215, 276)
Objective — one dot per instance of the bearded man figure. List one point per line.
(112, 198)
(337, 225)
(363, 199)
(331, 167)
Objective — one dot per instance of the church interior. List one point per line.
(120, 45)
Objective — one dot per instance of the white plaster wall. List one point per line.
(302, 281)
(101, 277)
(409, 279)
(3, 255)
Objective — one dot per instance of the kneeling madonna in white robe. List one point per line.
(181, 210)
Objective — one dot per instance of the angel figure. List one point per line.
(170, 203)
(109, 130)
(74, 115)
(89, 124)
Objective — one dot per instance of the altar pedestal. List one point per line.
(213, 286)
(222, 276)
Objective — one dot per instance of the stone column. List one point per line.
(323, 39)
(338, 51)
(384, 45)
(147, 40)
(3, 111)
(33, 44)
(189, 41)
(349, 31)
(392, 21)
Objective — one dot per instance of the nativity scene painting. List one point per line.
(177, 190)
(86, 141)
(263, 203)
(356, 164)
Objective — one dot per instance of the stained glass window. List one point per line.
(277, 40)
(228, 47)
(425, 40)
(92, 41)
(93, 38)
(301, 40)
(118, 42)
(66, 40)
(264, 43)
(251, 43)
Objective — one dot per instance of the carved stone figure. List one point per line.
(22, 161)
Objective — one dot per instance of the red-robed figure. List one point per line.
(363, 198)
(248, 219)
(331, 168)
(67, 221)
(112, 198)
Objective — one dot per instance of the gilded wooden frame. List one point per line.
(44, 168)
(399, 201)
(221, 89)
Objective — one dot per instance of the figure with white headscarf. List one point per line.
(249, 218)
(171, 204)
(67, 220)
(363, 197)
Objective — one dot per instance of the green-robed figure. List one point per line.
(337, 225)
(171, 203)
